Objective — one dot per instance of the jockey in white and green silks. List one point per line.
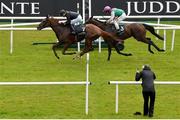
(117, 15)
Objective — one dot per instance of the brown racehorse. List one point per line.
(63, 33)
(138, 31)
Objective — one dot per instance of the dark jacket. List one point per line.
(148, 78)
(70, 15)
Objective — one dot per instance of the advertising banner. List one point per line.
(138, 7)
(37, 7)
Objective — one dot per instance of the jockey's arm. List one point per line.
(68, 19)
(112, 17)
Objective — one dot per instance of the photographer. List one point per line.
(148, 89)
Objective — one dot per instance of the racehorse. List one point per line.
(63, 33)
(136, 30)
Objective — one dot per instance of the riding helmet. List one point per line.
(62, 12)
(107, 9)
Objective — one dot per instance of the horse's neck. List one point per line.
(60, 30)
(56, 27)
(103, 26)
(99, 24)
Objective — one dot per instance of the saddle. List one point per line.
(120, 31)
(79, 30)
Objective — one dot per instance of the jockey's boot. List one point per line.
(72, 29)
(119, 32)
(73, 32)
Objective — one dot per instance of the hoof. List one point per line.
(162, 50)
(108, 60)
(57, 57)
(129, 54)
(76, 57)
(151, 52)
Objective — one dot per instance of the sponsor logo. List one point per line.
(21, 8)
(153, 7)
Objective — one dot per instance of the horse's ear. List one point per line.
(47, 16)
(91, 17)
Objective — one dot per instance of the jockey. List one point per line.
(73, 18)
(117, 15)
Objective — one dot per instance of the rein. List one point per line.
(58, 25)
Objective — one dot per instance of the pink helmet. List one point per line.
(107, 9)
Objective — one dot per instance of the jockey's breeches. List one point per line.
(118, 20)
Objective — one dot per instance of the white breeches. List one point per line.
(118, 20)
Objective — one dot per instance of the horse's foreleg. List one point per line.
(109, 43)
(66, 46)
(121, 53)
(109, 52)
(88, 47)
(54, 47)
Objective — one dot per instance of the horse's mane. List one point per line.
(57, 21)
(98, 20)
(62, 24)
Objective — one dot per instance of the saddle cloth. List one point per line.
(122, 27)
(113, 29)
(79, 28)
(80, 31)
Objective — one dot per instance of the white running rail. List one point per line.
(160, 27)
(86, 83)
(117, 83)
(42, 83)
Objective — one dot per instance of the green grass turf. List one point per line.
(37, 63)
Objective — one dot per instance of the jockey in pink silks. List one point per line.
(117, 15)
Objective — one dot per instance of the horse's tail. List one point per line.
(151, 29)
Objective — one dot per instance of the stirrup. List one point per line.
(119, 32)
(73, 32)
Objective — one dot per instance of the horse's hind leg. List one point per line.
(149, 47)
(88, 47)
(152, 43)
(147, 41)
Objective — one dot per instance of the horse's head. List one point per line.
(44, 23)
(96, 22)
(90, 20)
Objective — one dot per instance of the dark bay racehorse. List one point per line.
(63, 33)
(138, 31)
